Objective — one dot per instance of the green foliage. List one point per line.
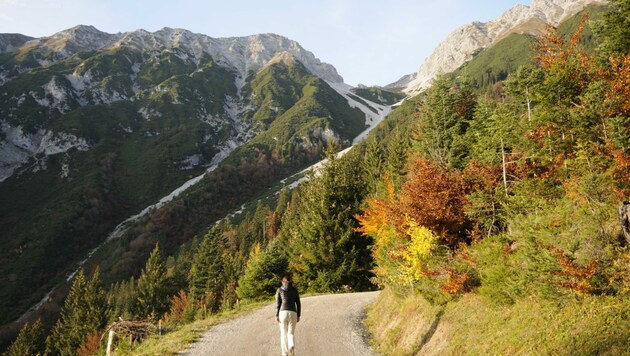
(494, 64)
(85, 311)
(122, 297)
(262, 275)
(325, 251)
(152, 298)
(206, 278)
(445, 114)
(614, 28)
(30, 341)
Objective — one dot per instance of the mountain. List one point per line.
(94, 127)
(462, 44)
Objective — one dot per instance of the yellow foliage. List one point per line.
(422, 241)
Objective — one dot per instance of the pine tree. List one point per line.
(153, 298)
(206, 279)
(262, 275)
(446, 112)
(374, 160)
(30, 341)
(84, 312)
(325, 251)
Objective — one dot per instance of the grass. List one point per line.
(407, 324)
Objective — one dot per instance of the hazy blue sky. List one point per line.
(368, 41)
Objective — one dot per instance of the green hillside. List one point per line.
(151, 122)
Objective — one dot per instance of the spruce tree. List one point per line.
(85, 311)
(325, 251)
(30, 341)
(206, 279)
(153, 298)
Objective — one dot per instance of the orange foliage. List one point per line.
(90, 346)
(179, 303)
(457, 283)
(377, 215)
(435, 198)
(576, 278)
(552, 53)
(620, 169)
(618, 97)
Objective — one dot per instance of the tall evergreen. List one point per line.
(446, 112)
(85, 311)
(325, 251)
(206, 279)
(153, 298)
(30, 341)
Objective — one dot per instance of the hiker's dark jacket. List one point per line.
(288, 299)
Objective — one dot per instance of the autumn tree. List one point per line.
(435, 198)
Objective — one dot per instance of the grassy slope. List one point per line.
(379, 95)
(405, 325)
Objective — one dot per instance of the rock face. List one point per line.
(244, 54)
(459, 45)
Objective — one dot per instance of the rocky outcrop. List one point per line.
(459, 45)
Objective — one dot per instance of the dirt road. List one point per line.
(330, 325)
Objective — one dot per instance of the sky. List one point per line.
(372, 42)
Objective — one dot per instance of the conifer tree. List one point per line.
(446, 112)
(396, 161)
(262, 275)
(84, 312)
(30, 341)
(325, 251)
(206, 279)
(374, 159)
(153, 298)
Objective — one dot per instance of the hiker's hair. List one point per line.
(287, 275)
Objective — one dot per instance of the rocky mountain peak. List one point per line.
(75, 39)
(459, 45)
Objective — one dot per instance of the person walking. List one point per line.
(288, 310)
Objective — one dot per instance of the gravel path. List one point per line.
(330, 325)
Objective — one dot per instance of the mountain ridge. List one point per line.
(461, 44)
(258, 48)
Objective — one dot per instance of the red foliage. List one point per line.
(435, 198)
(575, 277)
